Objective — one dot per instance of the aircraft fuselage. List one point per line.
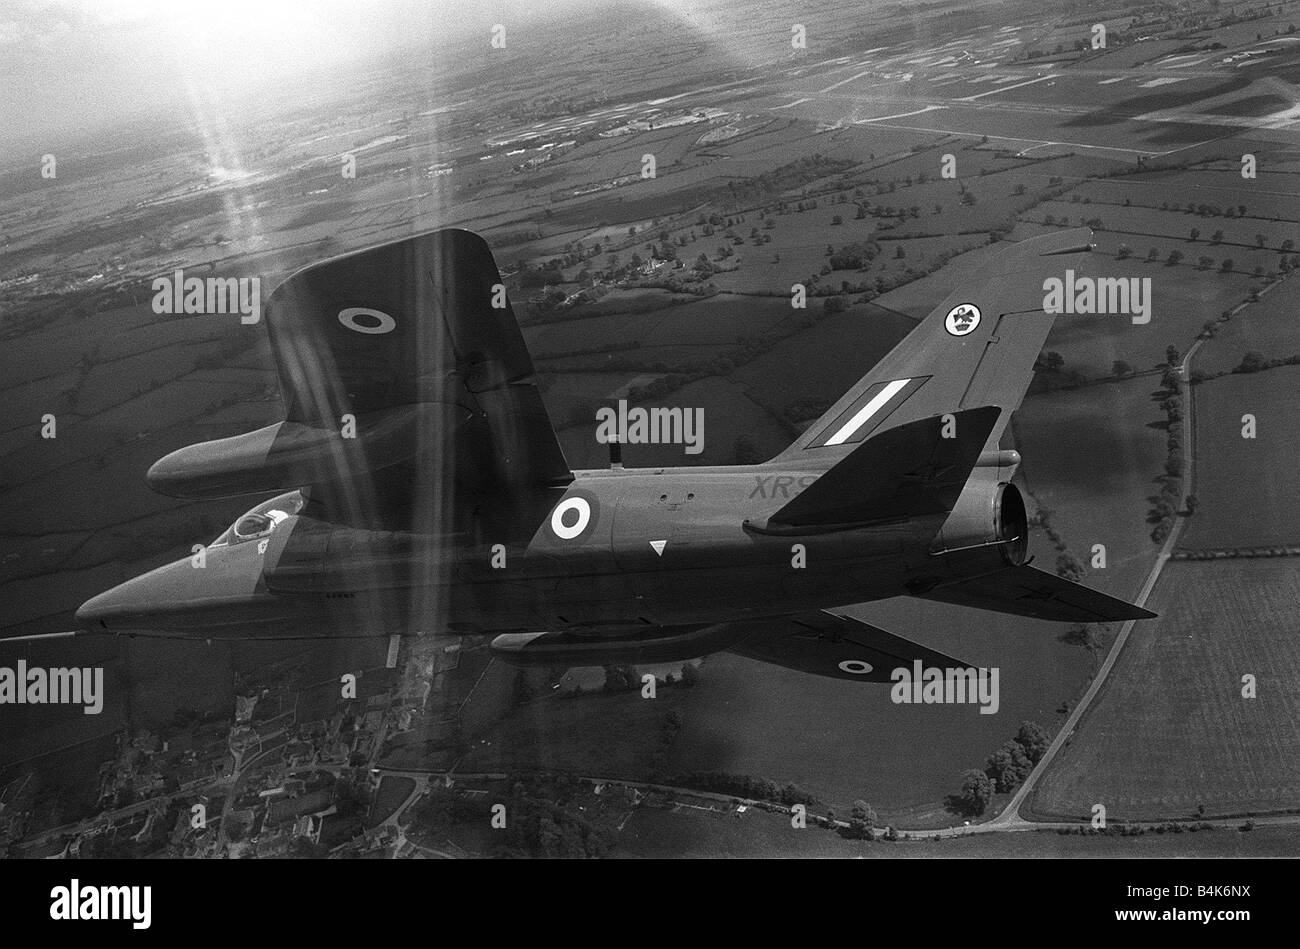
(630, 548)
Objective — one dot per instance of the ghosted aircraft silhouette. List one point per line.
(427, 491)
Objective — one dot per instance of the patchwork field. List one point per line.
(658, 833)
(842, 741)
(1269, 327)
(1092, 458)
(1172, 731)
(769, 161)
(823, 361)
(1246, 487)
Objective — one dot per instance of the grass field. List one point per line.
(652, 832)
(843, 740)
(620, 735)
(1171, 731)
(1092, 458)
(1213, 183)
(1137, 224)
(1268, 327)
(728, 411)
(392, 792)
(825, 360)
(1246, 488)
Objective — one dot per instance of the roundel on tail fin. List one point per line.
(364, 319)
(962, 319)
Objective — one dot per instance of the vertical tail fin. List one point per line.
(978, 347)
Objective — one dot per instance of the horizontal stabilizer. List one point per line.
(838, 647)
(1028, 591)
(905, 471)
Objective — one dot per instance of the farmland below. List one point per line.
(1174, 736)
(800, 212)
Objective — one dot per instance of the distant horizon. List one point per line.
(73, 68)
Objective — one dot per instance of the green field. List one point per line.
(825, 360)
(687, 832)
(1183, 300)
(1171, 730)
(1268, 327)
(844, 740)
(1246, 488)
(392, 792)
(619, 736)
(1092, 459)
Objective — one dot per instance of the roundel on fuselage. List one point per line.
(574, 517)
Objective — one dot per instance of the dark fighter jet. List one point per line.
(427, 491)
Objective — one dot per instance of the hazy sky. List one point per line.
(71, 65)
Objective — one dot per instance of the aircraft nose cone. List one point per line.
(186, 597)
(95, 612)
(129, 605)
(175, 596)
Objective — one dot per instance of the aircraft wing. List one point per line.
(402, 370)
(835, 646)
(821, 643)
(1028, 591)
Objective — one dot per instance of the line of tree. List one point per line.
(862, 822)
(1171, 489)
(1005, 770)
(746, 786)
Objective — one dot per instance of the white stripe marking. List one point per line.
(868, 410)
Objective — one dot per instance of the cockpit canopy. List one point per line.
(261, 520)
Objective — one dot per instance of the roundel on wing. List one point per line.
(962, 319)
(855, 667)
(574, 517)
(364, 319)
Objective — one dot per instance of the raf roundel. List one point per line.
(570, 518)
(962, 319)
(362, 319)
(855, 667)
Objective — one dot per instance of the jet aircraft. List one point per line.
(423, 490)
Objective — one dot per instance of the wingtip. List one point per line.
(33, 637)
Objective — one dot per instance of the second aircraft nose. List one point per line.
(185, 596)
(146, 602)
